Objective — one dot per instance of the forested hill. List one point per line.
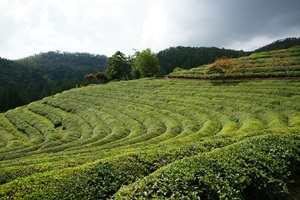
(64, 65)
(190, 57)
(25, 80)
(280, 44)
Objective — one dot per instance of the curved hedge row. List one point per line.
(257, 168)
(154, 139)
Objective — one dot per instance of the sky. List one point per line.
(28, 27)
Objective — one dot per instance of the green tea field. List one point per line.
(272, 64)
(155, 139)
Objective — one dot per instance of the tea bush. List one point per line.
(154, 139)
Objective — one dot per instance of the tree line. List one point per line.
(147, 64)
(25, 80)
(190, 57)
(121, 67)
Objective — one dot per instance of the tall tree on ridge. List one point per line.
(118, 67)
(146, 63)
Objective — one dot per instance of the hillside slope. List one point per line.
(280, 44)
(154, 139)
(25, 80)
(257, 65)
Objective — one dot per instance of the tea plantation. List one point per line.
(155, 139)
(272, 64)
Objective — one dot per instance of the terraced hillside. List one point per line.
(148, 139)
(278, 63)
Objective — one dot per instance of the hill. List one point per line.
(277, 63)
(190, 57)
(25, 80)
(280, 44)
(146, 139)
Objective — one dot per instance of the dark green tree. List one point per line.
(135, 73)
(146, 63)
(118, 67)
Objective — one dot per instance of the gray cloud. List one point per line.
(241, 21)
(103, 27)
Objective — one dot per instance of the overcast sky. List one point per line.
(105, 26)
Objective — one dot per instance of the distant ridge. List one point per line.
(280, 44)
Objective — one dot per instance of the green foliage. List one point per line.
(146, 63)
(190, 57)
(177, 69)
(154, 138)
(280, 63)
(257, 168)
(25, 80)
(118, 67)
(284, 60)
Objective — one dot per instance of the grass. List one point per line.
(155, 139)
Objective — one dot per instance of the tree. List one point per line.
(283, 59)
(101, 76)
(118, 67)
(244, 64)
(146, 63)
(135, 73)
(89, 76)
(223, 66)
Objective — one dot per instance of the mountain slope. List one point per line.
(32, 78)
(154, 139)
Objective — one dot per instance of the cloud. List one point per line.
(101, 27)
(250, 23)
(253, 43)
(235, 24)
(104, 27)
